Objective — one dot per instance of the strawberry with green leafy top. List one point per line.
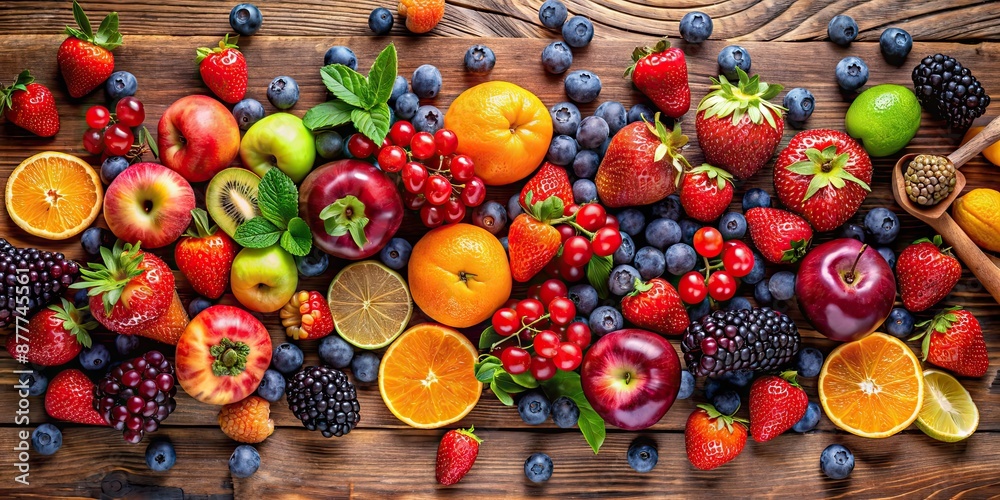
(953, 340)
(30, 105)
(656, 306)
(532, 241)
(85, 58)
(551, 180)
(706, 192)
(55, 336)
(781, 237)
(776, 405)
(205, 256)
(712, 439)
(456, 454)
(926, 273)
(224, 70)
(642, 165)
(660, 72)
(70, 398)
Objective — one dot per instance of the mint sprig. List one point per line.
(279, 222)
(360, 100)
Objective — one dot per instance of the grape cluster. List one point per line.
(44, 276)
(592, 231)
(115, 134)
(137, 395)
(719, 278)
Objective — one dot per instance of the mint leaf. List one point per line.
(277, 198)
(373, 123)
(381, 77)
(257, 233)
(328, 115)
(598, 272)
(297, 239)
(345, 84)
(591, 424)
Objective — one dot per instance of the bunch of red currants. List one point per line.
(592, 231)
(114, 134)
(719, 280)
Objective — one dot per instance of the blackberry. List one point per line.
(48, 275)
(725, 341)
(137, 395)
(949, 91)
(323, 399)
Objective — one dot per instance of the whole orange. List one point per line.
(459, 275)
(504, 128)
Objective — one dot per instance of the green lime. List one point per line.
(370, 304)
(884, 118)
(948, 412)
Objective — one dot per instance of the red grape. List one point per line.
(454, 211)
(546, 343)
(93, 141)
(568, 356)
(515, 360)
(692, 288)
(360, 146)
(562, 311)
(413, 201)
(431, 215)
(535, 292)
(578, 333)
(462, 168)
(542, 368)
(401, 133)
(474, 192)
(566, 231)
(708, 242)
(551, 289)
(506, 321)
(606, 241)
(117, 140)
(422, 145)
(438, 189)
(577, 251)
(570, 274)
(591, 217)
(570, 209)
(392, 158)
(130, 112)
(446, 142)
(721, 285)
(414, 177)
(98, 117)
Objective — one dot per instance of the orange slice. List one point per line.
(53, 195)
(873, 387)
(427, 376)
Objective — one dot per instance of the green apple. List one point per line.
(264, 279)
(279, 140)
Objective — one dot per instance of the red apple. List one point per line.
(198, 137)
(150, 203)
(631, 378)
(845, 289)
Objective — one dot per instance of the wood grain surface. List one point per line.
(383, 457)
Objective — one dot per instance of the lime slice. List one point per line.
(370, 304)
(948, 413)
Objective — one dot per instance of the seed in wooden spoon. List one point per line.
(929, 179)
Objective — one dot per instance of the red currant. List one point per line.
(542, 368)
(566, 231)
(546, 343)
(535, 292)
(386, 142)
(692, 288)
(431, 216)
(446, 142)
(552, 269)
(606, 241)
(562, 311)
(569, 273)
(437, 190)
(506, 321)
(737, 259)
(360, 146)
(591, 217)
(454, 211)
(413, 201)
(401, 133)
(612, 221)
(708, 242)
(551, 289)
(422, 145)
(130, 111)
(530, 310)
(392, 158)
(474, 192)
(721, 285)
(462, 168)
(578, 333)
(577, 251)
(570, 209)
(568, 357)
(414, 177)
(93, 141)
(98, 117)
(515, 360)
(117, 140)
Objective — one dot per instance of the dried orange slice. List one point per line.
(873, 387)
(53, 195)
(427, 376)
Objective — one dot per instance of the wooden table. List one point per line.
(384, 457)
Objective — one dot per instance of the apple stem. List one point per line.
(850, 276)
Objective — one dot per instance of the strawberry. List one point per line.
(706, 192)
(953, 340)
(205, 256)
(85, 58)
(823, 175)
(456, 454)
(531, 240)
(738, 127)
(551, 180)
(307, 316)
(55, 336)
(926, 273)
(224, 70)
(655, 305)
(70, 397)
(776, 404)
(660, 72)
(712, 439)
(642, 164)
(780, 236)
(30, 106)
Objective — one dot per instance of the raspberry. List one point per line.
(247, 421)
(307, 316)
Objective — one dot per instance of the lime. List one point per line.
(370, 304)
(884, 118)
(948, 413)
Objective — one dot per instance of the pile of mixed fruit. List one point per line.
(621, 242)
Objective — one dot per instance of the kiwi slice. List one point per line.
(231, 198)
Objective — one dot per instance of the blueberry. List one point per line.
(584, 191)
(687, 385)
(406, 106)
(80, 298)
(491, 216)
(557, 57)
(713, 386)
(842, 30)
(882, 224)
(622, 279)
(700, 310)
(626, 251)
(120, 84)
(565, 413)
(338, 54)
(585, 297)
(809, 419)
(851, 73)
(836, 462)
(247, 112)
(111, 167)
(160, 454)
(605, 319)
(582, 86)
(552, 14)
(782, 285)
(757, 272)
(603, 150)
(364, 366)
(94, 238)
(126, 344)
(36, 381)
(899, 323)
(399, 87)
(533, 407)
(95, 358)
(287, 358)
(762, 293)
(313, 264)
(426, 81)
(895, 45)
(680, 258)
(504, 244)
(696, 27)
(578, 31)
(480, 59)
(335, 351)
(197, 305)
(272, 385)
(739, 378)
(538, 468)
(514, 206)
(668, 208)
(639, 111)
(732, 57)
(739, 304)
(800, 103)
(650, 263)
(244, 461)
(888, 255)
(245, 19)
(662, 233)
(614, 114)
(631, 221)
(727, 401)
(585, 164)
(756, 197)
(808, 362)
(565, 118)
(733, 226)
(380, 21)
(593, 132)
(47, 439)
(688, 228)
(852, 231)
(283, 92)
(562, 150)
(428, 119)
(641, 455)
(396, 253)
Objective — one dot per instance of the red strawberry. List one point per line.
(823, 175)
(656, 306)
(660, 72)
(205, 256)
(706, 192)
(531, 240)
(55, 335)
(307, 316)
(70, 397)
(85, 58)
(776, 404)
(738, 127)
(550, 180)
(456, 454)
(712, 439)
(926, 273)
(224, 70)
(642, 164)
(30, 106)
(954, 340)
(780, 236)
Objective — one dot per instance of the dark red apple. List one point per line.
(845, 289)
(631, 378)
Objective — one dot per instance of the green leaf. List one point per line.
(373, 123)
(381, 78)
(488, 338)
(598, 272)
(297, 239)
(278, 198)
(501, 395)
(591, 424)
(525, 380)
(82, 20)
(486, 371)
(818, 182)
(257, 233)
(345, 84)
(328, 115)
(506, 383)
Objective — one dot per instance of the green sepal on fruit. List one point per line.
(470, 433)
(721, 176)
(73, 321)
(107, 35)
(791, 376)
(937, 241)
(201, 226)
(20, 83)
(118, 266)
(230, 358)
(749, 96)
(727, 420)
(225, 43)
(940, 323)
(670, 145)
(826, 168)
(346, 215)
(547, 210)
(640, 52)
(798, 250)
